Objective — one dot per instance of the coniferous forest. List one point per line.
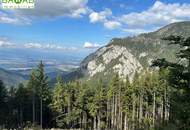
(157, 99)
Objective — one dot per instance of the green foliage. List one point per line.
(179, 78)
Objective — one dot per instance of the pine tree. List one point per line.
(127, 103)
(21, 99)
(58, 101)
(40, 95)
(12, 111)
(32, 87)
(43, 91)
(113, 96)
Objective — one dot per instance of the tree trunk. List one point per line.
(165, 104)
(84, 120)
(154, 107)
(107, 114)
(125, 122)
(115, 114)
(121, 121)
(161, 112)
(41, 113)
(69, 110)
(137, 117)
(119, 112)
(80, 121)
(99, 122)
(33, 107)
(112, 113)
(21, 116)
(133, 113)
(95, 128)
(189, 72)
(169, 108)
(140, 109)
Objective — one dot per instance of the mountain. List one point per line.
(50, 72)
(129, 55)
(11, 78)
(14, 77)
(23, 75)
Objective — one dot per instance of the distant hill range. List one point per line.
(11, 78)
(14, 77)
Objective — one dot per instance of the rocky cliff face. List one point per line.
(115, 59)
(126, 56)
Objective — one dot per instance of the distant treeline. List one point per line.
(157, 99)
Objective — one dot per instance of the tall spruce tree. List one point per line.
(44, 93)
(59, 101)
(40, 95)
(32, 87)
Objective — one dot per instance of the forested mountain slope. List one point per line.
(126, 56)
(11, 78)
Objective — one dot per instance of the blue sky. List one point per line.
(85, 25)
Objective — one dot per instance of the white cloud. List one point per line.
(112, 25)
(33, 45)
(91, 45)
(158, 15)
(100, 16)
(11, 18)
(48, 46)
(57, 8)
(104, 17)
(45, 9)
(5, 43)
